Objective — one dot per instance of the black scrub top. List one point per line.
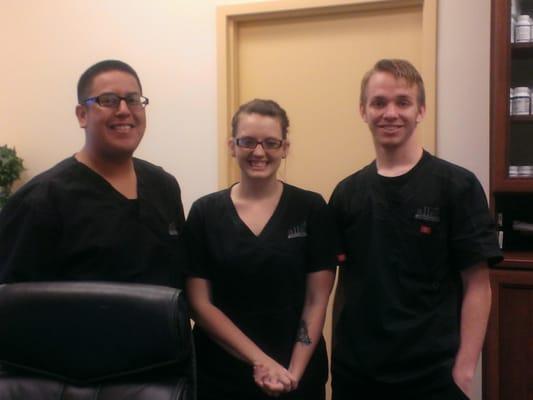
(258, 281)
(69, 223)
(407, 239)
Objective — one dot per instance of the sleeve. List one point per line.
(472, 233)
(337, 213)
(29, 237)
(180, 214)
(323, 246)
(178, 219)
(196, 243)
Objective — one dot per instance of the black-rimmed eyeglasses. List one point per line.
(251, 143)
(112, 100)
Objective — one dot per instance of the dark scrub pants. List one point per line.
(363, 389)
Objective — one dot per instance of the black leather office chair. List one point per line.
(97, 341)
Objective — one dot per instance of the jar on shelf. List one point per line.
(515, 8)
(523, 29)
(521, 101)
(500, 230)
(531, 100)
(525, 171)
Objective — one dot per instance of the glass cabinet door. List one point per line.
(519, 157)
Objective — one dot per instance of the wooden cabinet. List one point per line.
(511, 135)
(508, 355)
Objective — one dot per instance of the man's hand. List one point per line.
(463, 378)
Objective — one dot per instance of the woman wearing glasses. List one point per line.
(263, 257)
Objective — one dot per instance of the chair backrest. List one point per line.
(89, 340)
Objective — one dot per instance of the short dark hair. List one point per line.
(86, 79)
(400, 69)
(267, 108)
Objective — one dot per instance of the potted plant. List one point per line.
(11, 166)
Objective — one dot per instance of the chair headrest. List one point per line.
(85, 332)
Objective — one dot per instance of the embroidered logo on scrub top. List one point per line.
(172, 230)
(428, 214)
(297, 231)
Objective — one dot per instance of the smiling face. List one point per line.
(258, 163)
(112, 132)
(391, 110)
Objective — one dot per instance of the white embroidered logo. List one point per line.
(428, 214)
(172, 230)
(297, 231)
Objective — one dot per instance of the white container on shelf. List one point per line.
(500, 230)
(521, 101)
(522, 29)
(515, 12)
(525, 171)
(530, 101)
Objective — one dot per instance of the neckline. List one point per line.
(103, 181)
(239, 221)
(405, 176)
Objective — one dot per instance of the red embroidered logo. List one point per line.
(341, 257)
(426, 230)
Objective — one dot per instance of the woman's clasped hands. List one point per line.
(273, 378)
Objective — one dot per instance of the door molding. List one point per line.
(229, 17)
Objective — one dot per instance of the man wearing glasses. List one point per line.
(101, 214)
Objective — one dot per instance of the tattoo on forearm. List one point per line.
(302, 335)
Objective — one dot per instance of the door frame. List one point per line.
(229, 17)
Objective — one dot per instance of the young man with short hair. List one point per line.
(101, 214)
(413, 297)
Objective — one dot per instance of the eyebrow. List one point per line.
(404, 97)
(400, 96)
(127, 94)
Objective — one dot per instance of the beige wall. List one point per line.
(463, 91)
(463, 84)
(47, 44)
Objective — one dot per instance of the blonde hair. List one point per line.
(400, 69)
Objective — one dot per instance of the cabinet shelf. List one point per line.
(522, 50)
(513, 185)
(521, 119)
(517, 260)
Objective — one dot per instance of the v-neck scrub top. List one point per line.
(69, 223)
(258, 282)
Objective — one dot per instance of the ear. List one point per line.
(231, 146)
(362, 112)
(81, 114)
(286, 146)
(421, 114)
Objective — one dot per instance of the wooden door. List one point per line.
(311, 58)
